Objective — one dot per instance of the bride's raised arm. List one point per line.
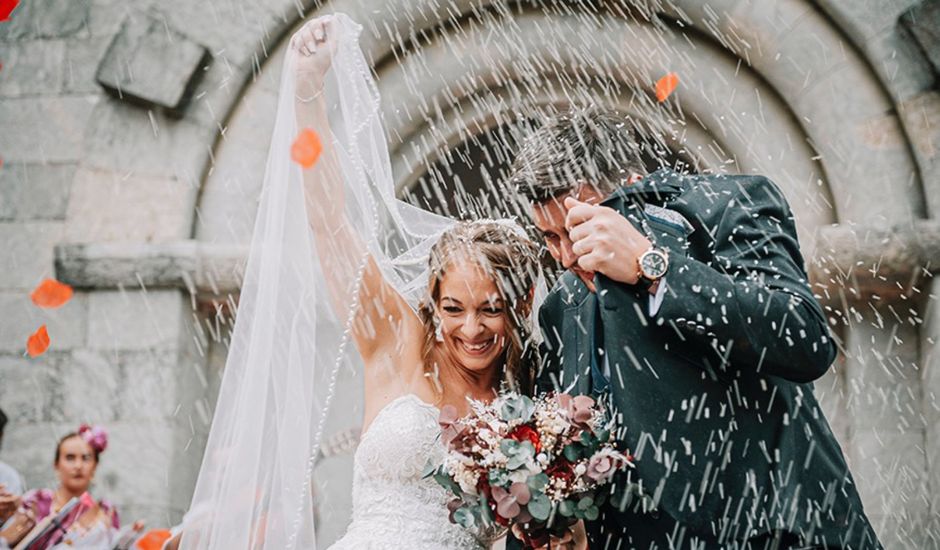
(382, 317)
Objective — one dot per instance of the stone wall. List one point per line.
(145, 199)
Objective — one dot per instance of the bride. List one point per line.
(438, 312)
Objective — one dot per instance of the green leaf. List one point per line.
(603, 436)
(585, 503)
(539, 506)
(515, 462)
(508, 447)
(572, 453)
(446, 482)
(566, 508)
(486, 515)
(430, 469)
(538, 482)
(591, 513)
(464, 517)
(499, 477)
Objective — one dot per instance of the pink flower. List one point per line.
(580, 409)
(508, 502)
(600, 467)
(96, 436)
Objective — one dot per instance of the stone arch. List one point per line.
(829, 135)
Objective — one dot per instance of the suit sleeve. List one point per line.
(752, 304)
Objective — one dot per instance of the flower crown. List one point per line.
(96, 436)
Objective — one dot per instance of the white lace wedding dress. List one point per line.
(393, 507)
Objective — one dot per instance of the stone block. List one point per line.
(27, 252)
(31, 68)
(44, 130)
(66, 325)
(153, 65)
(883, 377)
(921, 116)
(106, 206)
(106, 16)
(124, 139)
(46, 19)
(81, 59)
(135, 319)
(922, 21)
(29, 388)
(31, 449)
(34, 191)
(211, 269)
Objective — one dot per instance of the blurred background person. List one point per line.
(12, 484)
(93, 524)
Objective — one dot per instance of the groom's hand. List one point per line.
(604, 241)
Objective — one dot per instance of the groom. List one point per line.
(685, 304)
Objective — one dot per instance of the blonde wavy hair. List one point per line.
(503, 250)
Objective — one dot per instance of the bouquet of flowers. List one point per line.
(539, 464)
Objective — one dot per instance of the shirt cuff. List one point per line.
(656, 300)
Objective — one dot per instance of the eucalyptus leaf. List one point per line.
(464, 517)
(539, 506)
(591, 513)
(572, 453)
(538, 481)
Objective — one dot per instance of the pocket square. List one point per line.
(667, 216)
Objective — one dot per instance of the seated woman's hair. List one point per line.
(502, 248)
(95, 436)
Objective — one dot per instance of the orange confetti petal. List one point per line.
(666, 86)
(307, 148)
(153, 539)
(38, 342)
(6, 8)
(51, 293)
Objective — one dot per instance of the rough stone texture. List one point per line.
(26, 253)
(886, 439)
(44, 129)
(877, 260)
(922, 119)
(108, 206)
(68, 325)
(46, 19)
(923, 22)
(212, 269)
(31, 68)
(930, 358)
(132, 142)
(81, 60)
(34, 191)
(133, 319)
(153, 65)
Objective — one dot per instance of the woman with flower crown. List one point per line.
(92, 525)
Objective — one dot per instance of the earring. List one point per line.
(438, 331)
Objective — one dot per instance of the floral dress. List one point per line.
(100, 536)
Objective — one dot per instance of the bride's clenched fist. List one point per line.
(314, 45)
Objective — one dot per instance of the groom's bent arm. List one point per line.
(751, 304)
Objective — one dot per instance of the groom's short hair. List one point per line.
(584, 145)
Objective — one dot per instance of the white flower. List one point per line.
(580, 469)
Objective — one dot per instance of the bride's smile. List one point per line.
(473, 321)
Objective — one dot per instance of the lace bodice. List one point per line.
(393, 507)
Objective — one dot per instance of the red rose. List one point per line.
(526, 433)
(561, 469)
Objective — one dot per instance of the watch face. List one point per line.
(654, 264)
